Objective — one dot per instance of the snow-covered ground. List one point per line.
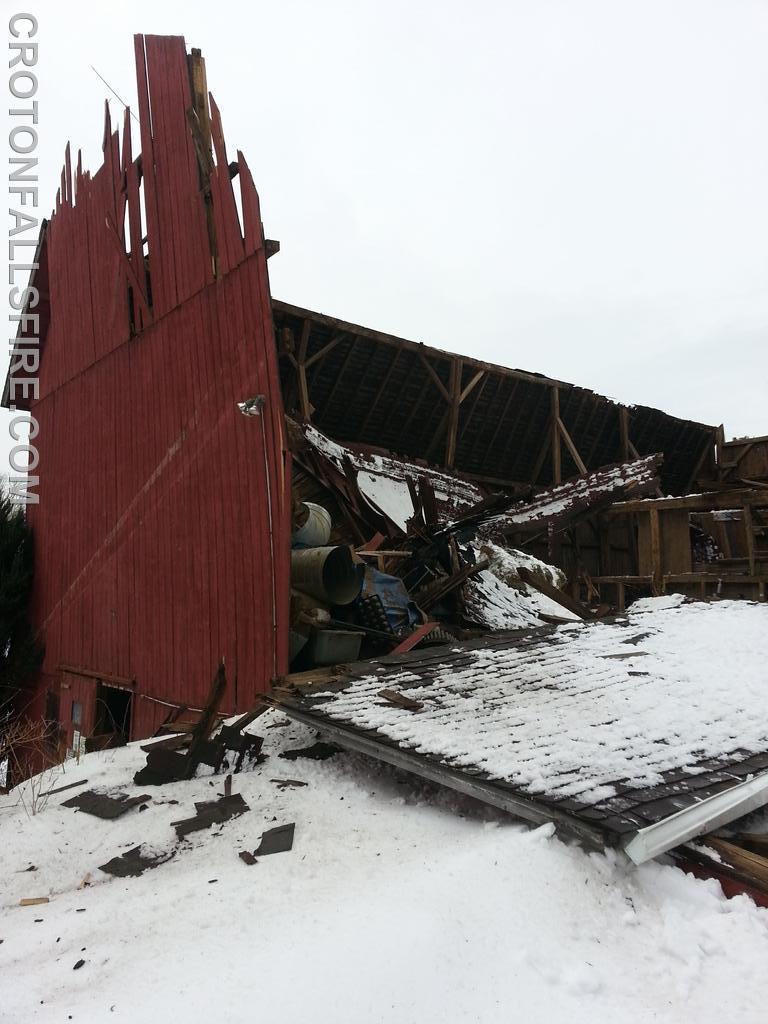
(398, 903)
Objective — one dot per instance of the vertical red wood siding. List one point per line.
(162, 530)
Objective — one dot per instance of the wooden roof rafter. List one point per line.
(368, 387)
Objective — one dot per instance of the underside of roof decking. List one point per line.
(598, 727)
(488, 422)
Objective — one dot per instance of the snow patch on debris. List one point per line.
(658, 604)
(498, 598)
(505, 563)
(390, 496)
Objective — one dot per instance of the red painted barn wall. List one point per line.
(162, 529)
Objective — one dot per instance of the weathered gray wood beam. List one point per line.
(572, 448)
(453, 412)
(554, 434)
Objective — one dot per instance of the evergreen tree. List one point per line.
(20, 654)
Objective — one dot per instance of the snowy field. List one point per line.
(397, 903)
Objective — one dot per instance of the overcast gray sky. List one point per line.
(575, 187)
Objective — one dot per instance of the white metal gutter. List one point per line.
(705, 816)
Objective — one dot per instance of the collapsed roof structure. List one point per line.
(499, 426)
(225, 477)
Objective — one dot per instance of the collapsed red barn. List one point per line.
(163, 525)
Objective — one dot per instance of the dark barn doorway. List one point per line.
(112, 726)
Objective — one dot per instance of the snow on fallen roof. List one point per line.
(611, 483)
(591, 715)
(383, 480)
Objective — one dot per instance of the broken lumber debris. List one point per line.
(104, 805)
(205, 741)
(288, 783)
(738, 862)
(134, 863)
(553, 593)
(62, 789)
(418, 538)
(315, 752)
(276, 840)
(211, 812)
(401, 700)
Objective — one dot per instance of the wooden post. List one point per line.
(557, 466)
(624, 432)
(749, 529)
(453, 416)
(603, 528)
(719, 442)
(656, 566)
(301, 369)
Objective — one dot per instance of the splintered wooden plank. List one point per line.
(226, 218)
(180, 203)
(181, 175)
(157, 267)
(416, 636)
(755, 841)
(130, 271)
(190, 228)
(133, 242)
(751, 864)
(166, 211)
(249, 201)
(401, 700)
(68, 173)
(552, 592)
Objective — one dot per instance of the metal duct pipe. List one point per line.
(329, 574)
(316, 530)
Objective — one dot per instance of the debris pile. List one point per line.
(187, 744)
(389, 554)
